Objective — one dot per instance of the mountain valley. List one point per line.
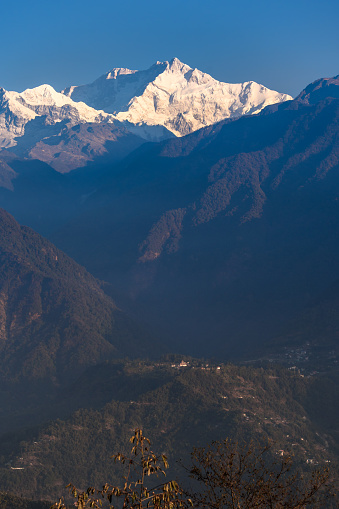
(206, 300)
(229, 230)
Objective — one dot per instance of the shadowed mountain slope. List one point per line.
(55, 319)
(312, 337)
(221, 239)
(66, 147)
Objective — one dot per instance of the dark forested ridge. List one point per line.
(188, 406)
(55, 318)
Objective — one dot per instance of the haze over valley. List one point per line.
(168, 262)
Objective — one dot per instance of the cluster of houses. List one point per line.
(186, 364)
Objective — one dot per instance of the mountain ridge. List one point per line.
(123, 106)
(203, 210)
(55, 318)
(173, 95)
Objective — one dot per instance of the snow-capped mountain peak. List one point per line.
(118, 71)
(173, 96)
(43, 95)
(18, 109)
(168, 99)
(175, 65)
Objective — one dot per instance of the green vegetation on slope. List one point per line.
(55, 319)
(10, 501)
(194, 405)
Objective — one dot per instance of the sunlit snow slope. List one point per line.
(173, 96)
(18, 109)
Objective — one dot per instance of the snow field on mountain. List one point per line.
(169, 98)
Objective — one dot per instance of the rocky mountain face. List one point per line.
(69, 147)
(172, 95)
(17, 110)
(108, 119)
(43, 124)
(55, 319)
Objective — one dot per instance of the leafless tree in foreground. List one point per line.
(229, 475)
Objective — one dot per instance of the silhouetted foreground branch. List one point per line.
(225, 475)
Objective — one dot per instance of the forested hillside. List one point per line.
(189, 406)
(56, 319)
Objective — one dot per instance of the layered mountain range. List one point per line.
(226, 233)
(112, 116)
(223, 236)
(223, 242)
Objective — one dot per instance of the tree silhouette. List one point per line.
(133, 494)
(229, 475)
(225, 475)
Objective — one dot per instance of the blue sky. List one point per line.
(282, 44)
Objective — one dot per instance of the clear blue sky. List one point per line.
(282, 44)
